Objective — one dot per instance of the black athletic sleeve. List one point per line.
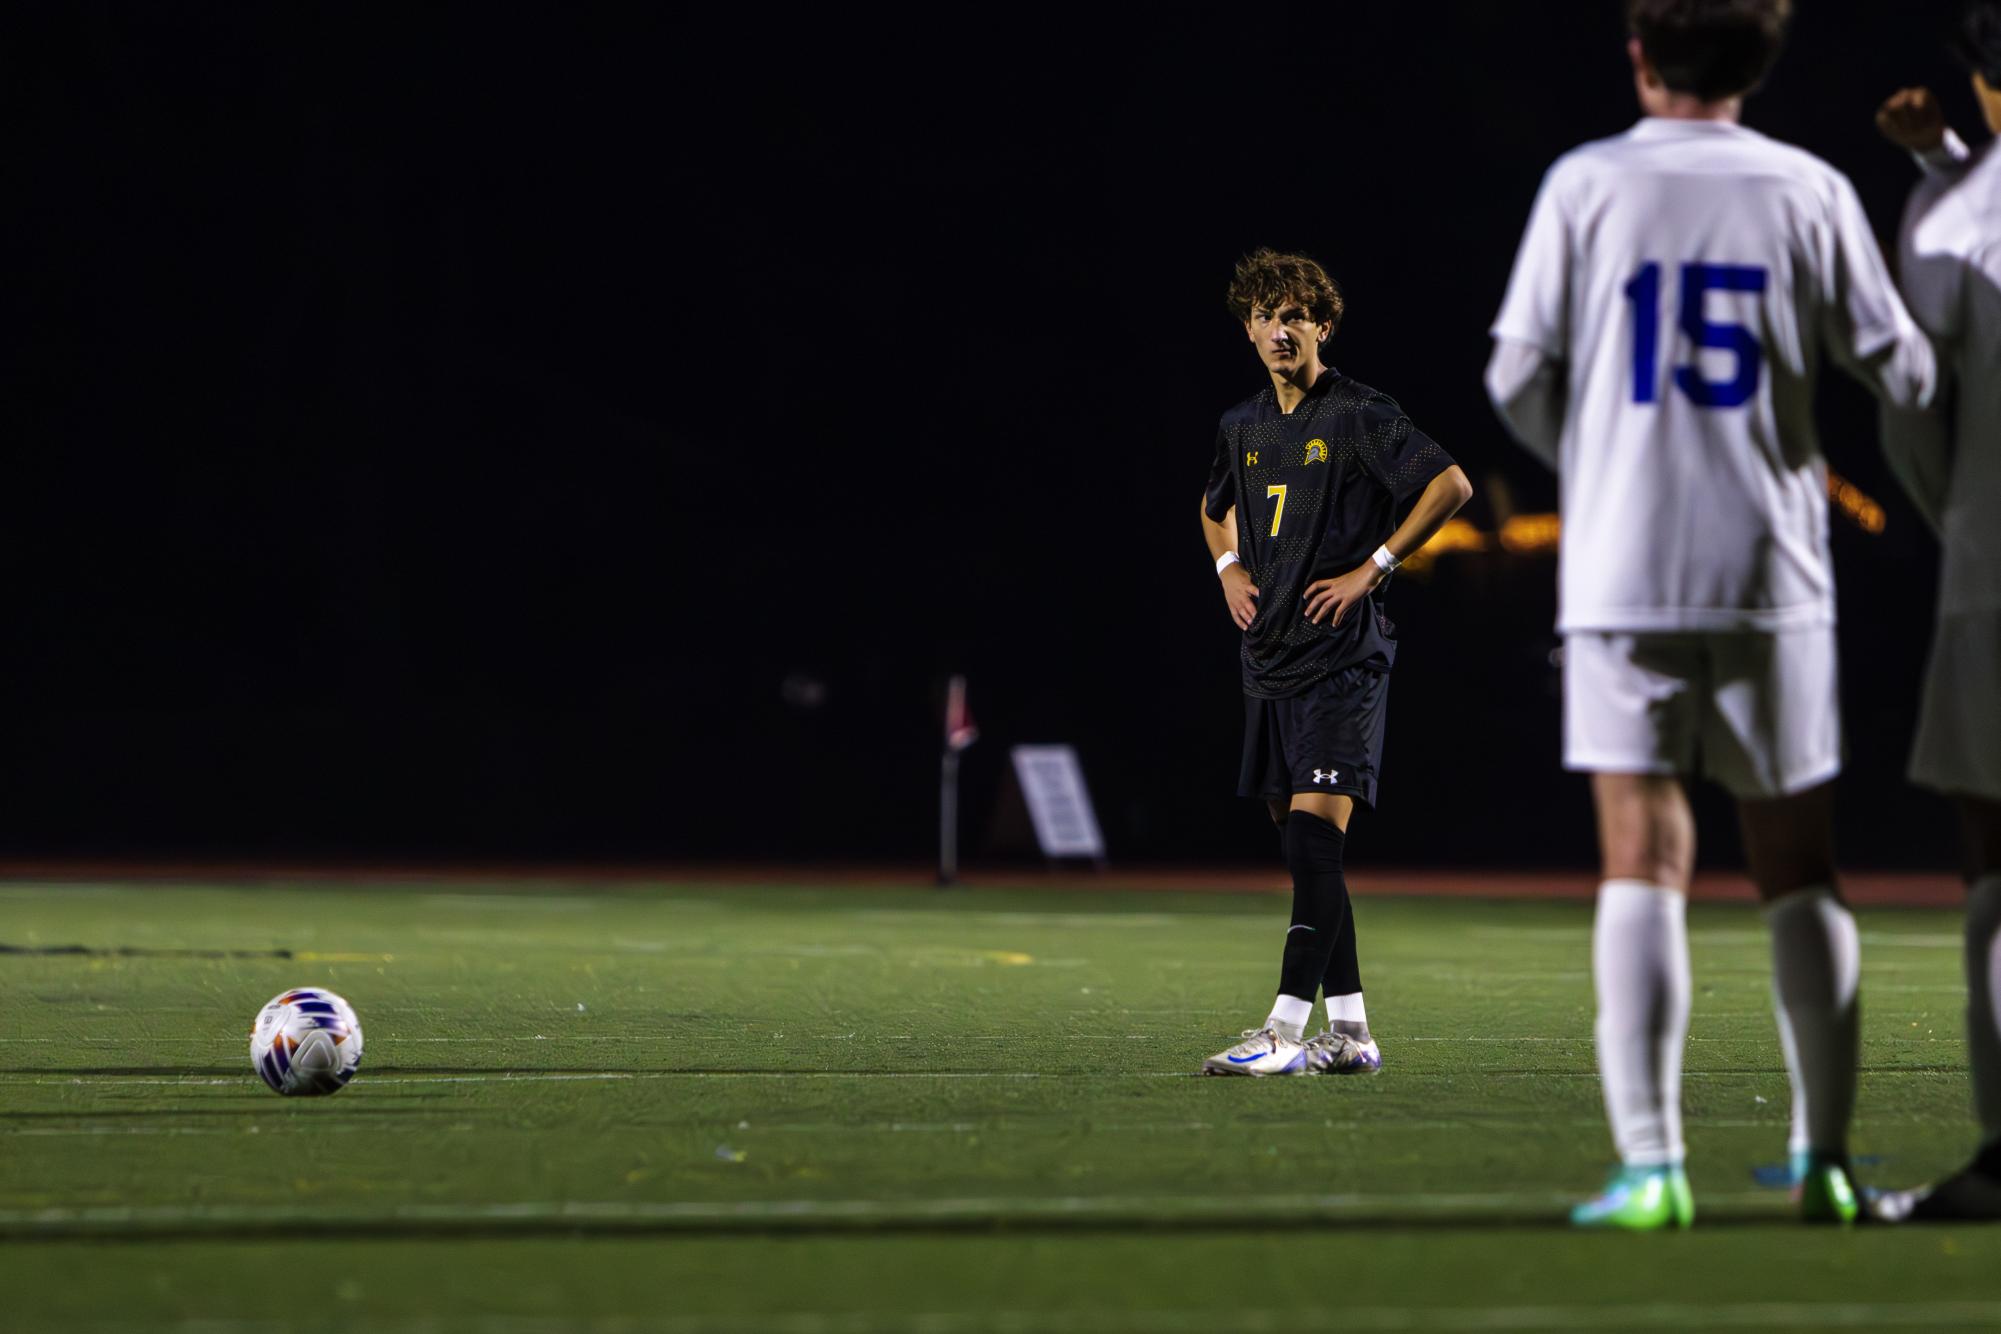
(1221, 492)
(1400, 457)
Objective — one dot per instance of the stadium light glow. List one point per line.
(1529, 533)
(1858, 505)
(1455, 535)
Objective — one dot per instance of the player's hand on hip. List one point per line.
(1241, 595)
(1336, 596)
(1912, 119)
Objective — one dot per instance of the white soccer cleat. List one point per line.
(1264, 1051)
(1331, 1053)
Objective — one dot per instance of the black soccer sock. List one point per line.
(1344, 970)
(1319, 903)
(1344, 978)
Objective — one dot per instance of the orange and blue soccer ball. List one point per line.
(307, 1043)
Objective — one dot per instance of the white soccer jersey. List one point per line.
(1952, 277)
(1681, 279)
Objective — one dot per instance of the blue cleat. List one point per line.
(1332, 1053)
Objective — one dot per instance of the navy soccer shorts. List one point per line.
(1327, 738)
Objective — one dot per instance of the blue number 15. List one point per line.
(1644, 291)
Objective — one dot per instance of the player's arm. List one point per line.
(1865, 324)
(1913, 120)
(1917, 442)
(1439, 501)
(1527, 377)
(1530, 391)
(1240, 595)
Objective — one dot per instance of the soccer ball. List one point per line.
(307, 1043)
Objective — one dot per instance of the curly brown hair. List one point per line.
(1265, 278)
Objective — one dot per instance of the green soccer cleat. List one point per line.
(1826, 1190)
(1640, 1199)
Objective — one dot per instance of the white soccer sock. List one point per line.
(1816, 970)
(1797, 1140)
(1983, 1002)
(1289, 1015)
(1347, 1009)
(1639, 961)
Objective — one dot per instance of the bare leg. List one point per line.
(1980, 836)
(1331, 807)
(1646, 831)
(1789, 841)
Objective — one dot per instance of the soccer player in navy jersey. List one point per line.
(1300, 517)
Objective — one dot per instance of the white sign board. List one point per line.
(1052, 782)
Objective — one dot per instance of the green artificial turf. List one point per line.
(721, 1107)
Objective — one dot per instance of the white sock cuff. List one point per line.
(1292, 1012)
(1642, 900)
(1832, 920)
(1816, 899)
(1642, 891)
(1346, 1009)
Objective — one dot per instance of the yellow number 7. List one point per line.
(1278, 510)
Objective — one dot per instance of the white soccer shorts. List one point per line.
(1759, 713)
(1958, 749)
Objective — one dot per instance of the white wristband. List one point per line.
(1384, 560)
(1225, 561)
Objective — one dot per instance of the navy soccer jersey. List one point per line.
(1316, 492)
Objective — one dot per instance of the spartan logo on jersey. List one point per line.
(1316, 451)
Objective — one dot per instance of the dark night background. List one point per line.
(448, 434)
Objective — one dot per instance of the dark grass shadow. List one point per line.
(234, 1071)
(135, 952)
(372, 1107)
(133, 1071)
(1251, 1220)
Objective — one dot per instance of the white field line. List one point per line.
(933, 916)
(1178, 1320)
(1175, 1321)
(1003, 1126)
(1760, 1040)
(595, 1076)
(1915, 940)
(697, 1213)
(614, 1076)
(997, 1127)
(522, 902)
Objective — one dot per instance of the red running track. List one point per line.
(1916, 889)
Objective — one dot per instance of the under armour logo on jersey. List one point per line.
(1326, 775)
(1316, 451)
(1251, 459)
